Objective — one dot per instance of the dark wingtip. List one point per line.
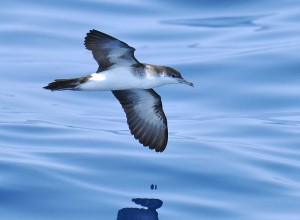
(95, 34)
(88, 35)
(159, 150)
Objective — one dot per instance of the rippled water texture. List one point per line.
(233, 150)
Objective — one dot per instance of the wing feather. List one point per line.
(109, 51)
(145, 116)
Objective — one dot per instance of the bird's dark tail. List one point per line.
(66, 84)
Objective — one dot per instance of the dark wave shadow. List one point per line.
(140, 213)
(219, 22)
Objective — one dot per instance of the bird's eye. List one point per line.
(173, 75)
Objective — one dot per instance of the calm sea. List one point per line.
(234, 139)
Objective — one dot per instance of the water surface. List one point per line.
(233, 150)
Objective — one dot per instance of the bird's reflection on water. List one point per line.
(141, 213)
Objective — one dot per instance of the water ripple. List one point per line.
(221, 22)
(233, 139)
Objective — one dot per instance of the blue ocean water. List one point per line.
(233, 150)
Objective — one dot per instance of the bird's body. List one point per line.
(131, 83)
(120, 78)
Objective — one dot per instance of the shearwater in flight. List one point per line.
(131, 82)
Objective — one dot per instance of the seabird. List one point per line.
(131, 82)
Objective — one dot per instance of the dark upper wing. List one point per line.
(145, 116)
(109, 51)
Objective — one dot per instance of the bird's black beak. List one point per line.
(185, 82)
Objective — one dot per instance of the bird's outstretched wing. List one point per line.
(145, 116)
(109, 51)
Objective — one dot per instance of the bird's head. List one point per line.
(173, 76)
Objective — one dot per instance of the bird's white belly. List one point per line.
(117, 79)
